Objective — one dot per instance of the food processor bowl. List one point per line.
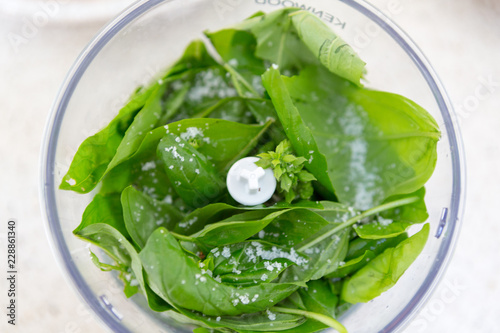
(145, 39)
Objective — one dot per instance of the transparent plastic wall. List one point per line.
(134, 49)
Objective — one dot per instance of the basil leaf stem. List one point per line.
(312, 315)
(359, 217)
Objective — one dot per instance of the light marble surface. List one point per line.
(461, 39)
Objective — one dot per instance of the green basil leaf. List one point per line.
(146, 173)
(231, 109)
(96, 152)
(206, 87)
(252, 322)
(235, 229)
(397, 220)
(219, 211)
(223, 142)
(178, 279)
(147, 119)
(237, 49)
(194, 179)
(358, 246)
(143, 214)
(120, 250)
(318, 297)
(263, 110)
(317, 304)
(103, 225)
(413, 213)
(299, 225)
(296, 130)
(278, 41)
(295, 221)
(192, 84)
(324, 257)
(330, 49)
(352, 265)
(384, 271)
(106, 209)
(155, 302)
(195, 56)
(305, 176)
(252, 262)
(380, 230)
(357, 125)
(205, 215)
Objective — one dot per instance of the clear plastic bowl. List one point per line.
(149, 36)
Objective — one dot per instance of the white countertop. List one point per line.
(461, 39)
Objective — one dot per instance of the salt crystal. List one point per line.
(226, 253)
(270, 315)
(191, 133)
(383, 221)
(233, 62)
(148, 166)
(244, 299)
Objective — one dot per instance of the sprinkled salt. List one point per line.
(233, 62)
(226, 253)
(270, 315)
(148, 166)
(175, 154)
(191, 133)
(384, 222)
(244, 299)
(268, 266)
